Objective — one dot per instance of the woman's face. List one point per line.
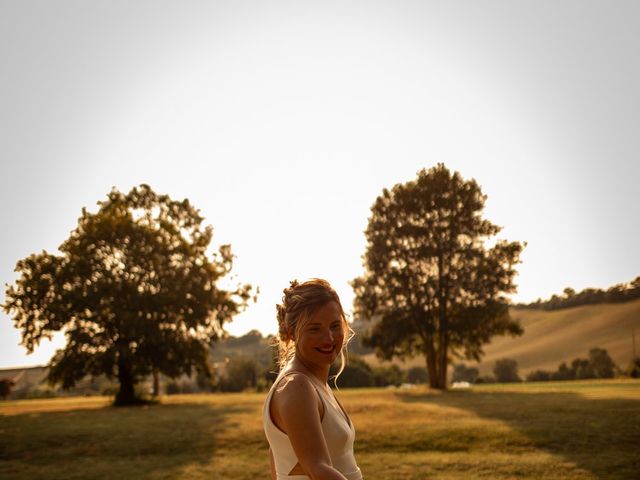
(321, 337)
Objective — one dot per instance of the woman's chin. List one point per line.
(325, 358)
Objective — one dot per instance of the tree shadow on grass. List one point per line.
(127, 442)
(601, 436)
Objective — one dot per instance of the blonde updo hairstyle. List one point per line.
(299, 302)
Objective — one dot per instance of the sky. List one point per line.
(283, 121)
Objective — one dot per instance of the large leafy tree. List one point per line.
(430, 282)
(133, 288)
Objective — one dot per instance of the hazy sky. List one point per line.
(282, 122)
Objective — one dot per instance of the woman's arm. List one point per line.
(297, 406)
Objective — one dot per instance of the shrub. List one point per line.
(506, 371)
(172, 388)
(601, 363)
(384, 376)
(40, 393)
(462, 373)
(6, 385)
(486, 379)
(633, 370)
(241, 374)
(356, 373)
(563, 373)
(417, 375)
(581, 369)
(539, 376)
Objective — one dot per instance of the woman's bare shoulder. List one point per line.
(294, 386)
(295, 403)
(296, 393)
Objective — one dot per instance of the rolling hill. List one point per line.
(552, 337)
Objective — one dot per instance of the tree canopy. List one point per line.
(6, 385)
(430, 283)
(134, 289)
(505, 370)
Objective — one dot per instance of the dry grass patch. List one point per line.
(569, 430)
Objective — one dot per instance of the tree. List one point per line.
(601, 363)
(506, 371)
(563, 373)
(417, 375)
(633, 370)
(539, 376)
(134, 289)
(391, 375)
(241, 374)
(357, 373)
(430, 284)
(462, 373)
(581, 369)
(6, 385)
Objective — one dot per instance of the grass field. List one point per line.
(568, 430)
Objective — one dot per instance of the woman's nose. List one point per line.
(328, 335)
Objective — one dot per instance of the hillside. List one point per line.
(26, 377)
(552, 337)
(562, 335)
(252, 344)
(32, 381)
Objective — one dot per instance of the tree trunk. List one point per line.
(442, 361)
(440, 357)
(126, 394)
(156, 383)
(443, 327)
(430, 355)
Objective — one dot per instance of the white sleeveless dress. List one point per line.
(338, 431)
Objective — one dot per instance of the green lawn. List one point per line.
(561, 430)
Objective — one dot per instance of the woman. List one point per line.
(310, 435)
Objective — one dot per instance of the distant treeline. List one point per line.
(598, 365)
(622, 292)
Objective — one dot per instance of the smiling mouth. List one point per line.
(326, 351)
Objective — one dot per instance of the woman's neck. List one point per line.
(320, 372)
